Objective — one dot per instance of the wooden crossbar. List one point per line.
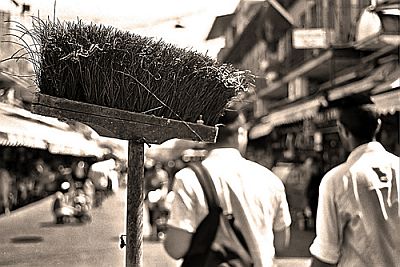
(138, 129)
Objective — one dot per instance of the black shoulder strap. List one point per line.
(206, 184)
(206, 231)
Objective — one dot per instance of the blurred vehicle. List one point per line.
(74, 199)
(81, 207)
(104, 176)
(71, 205)
(62, 209)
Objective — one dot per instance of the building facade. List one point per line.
(305, 53)
(16, 70)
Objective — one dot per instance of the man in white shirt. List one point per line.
(254, 195)
(358, 221)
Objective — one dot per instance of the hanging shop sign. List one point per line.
(311, 38)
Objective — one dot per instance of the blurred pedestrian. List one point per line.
(315, 176)
(249, 191)
(5, 188)
(80, 170)
(358, 211)
(156, 190)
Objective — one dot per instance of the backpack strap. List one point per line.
(227, 222)
(207, 230)
(207, 184)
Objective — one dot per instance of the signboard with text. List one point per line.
(311, 38)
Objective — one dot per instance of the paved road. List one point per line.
(28, 237)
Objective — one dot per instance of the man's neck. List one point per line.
(228, 143)
(222, 145)
(356, 143)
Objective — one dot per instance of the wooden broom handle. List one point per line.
(134, 212)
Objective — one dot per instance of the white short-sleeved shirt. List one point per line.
(358, 222)
(253, 193)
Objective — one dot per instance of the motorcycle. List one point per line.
(81, 207)
(70, 205)
(62, 210)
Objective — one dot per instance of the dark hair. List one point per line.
(229, 123)
(360, 121)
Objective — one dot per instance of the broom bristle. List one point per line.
(105, 66)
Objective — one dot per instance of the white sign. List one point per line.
(310, 38)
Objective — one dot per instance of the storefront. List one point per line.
(35, 151)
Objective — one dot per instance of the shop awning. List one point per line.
(296, 112)
(388, 102)
(115, 147)
(260, 130)
(19, 127)
(379, 80)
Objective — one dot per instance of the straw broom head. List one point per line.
(105, 66)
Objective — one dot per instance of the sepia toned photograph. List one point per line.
(242, 133)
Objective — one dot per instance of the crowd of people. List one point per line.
(356, 204)
(28, 174)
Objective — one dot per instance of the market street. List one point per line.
(29, 237)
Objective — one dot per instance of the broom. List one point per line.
(102, 65)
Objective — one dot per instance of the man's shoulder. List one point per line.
(335, 175)
(263, 173)
(186, 180)
(392, 158)
(375, 159)
(185, 173)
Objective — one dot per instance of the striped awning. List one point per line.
(16, 140)
(19, 127)
(294, 113)
(387, 103)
